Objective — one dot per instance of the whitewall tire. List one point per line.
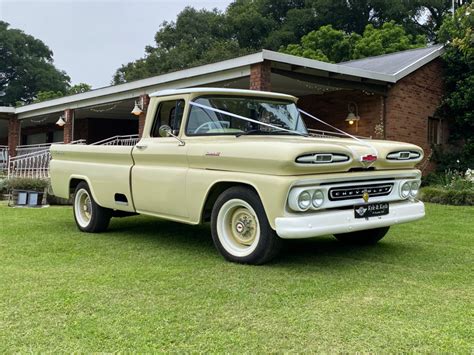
(89, 216)
(240, 228)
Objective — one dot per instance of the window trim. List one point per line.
(158, 109)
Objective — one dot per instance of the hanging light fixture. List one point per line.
(61, 121)
(353, 115)
(137, 111)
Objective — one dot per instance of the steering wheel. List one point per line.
(212, 124)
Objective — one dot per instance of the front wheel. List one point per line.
(365, 237)
(89, 216)
(240, 228)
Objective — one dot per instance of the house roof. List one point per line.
(398, 64)
(381, 69)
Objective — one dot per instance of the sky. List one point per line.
(91, 39)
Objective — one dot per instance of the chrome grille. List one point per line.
(352, 192)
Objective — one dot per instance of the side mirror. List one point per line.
(164, 131)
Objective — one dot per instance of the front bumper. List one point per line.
(343, 221)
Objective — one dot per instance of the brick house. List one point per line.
(394, 96)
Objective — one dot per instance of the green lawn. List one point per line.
(155, 285)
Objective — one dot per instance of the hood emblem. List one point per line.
(365, 196)
(368, 160)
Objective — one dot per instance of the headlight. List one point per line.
(414, 187)
(318, 198)
(405, 190)
(304, 200)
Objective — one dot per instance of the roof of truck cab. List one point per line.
(208, 90)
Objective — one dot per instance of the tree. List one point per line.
(387, 39)
(331, 45)
(325, 44)
(26, 67)
(201, 36)
(49, 95)
(457, 34)
(197, 37)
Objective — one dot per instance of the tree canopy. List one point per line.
(203, 36)
(26, 67)
(457, 33)
(331, 45)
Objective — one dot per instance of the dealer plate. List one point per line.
(371, 210)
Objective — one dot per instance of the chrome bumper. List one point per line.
(337, 221)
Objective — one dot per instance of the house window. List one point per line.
(435, 131)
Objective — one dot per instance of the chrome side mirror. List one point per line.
(166, 131)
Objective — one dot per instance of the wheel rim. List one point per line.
(83, 207)
(238, 228)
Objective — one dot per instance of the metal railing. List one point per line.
(328, 134)
(30, 165)
(127, 140)
(3, 158)
(35, 163)
(32, 148)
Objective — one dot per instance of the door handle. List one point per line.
(141, 147)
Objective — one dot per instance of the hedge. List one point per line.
(448, 196)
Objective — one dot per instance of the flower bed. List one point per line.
(450, 188)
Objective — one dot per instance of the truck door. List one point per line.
(159, 174)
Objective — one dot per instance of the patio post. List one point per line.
(145, 100)
(14, 127)
(69, 126)
(260, 76)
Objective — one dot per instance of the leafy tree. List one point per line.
(387, 39)
(26, 67)
(457, 33)
(197, 37)
(330, 45)
(201, 36)
(49, 95)
(325, 44)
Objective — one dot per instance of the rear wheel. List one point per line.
(89, 216)
(240, 228)
(365, 237)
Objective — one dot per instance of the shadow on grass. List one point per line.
(197, 239)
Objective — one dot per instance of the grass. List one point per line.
(151, 285)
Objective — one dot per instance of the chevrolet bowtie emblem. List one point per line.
(365, 196)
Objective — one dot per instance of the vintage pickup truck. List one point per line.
(244, 161)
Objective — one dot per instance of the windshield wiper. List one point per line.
(250, 132)
(259, 131)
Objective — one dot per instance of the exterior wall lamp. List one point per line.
(353, 115)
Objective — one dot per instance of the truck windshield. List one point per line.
(277, 113)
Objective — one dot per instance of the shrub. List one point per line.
(450, 188)
(26, 184)
(448, 197)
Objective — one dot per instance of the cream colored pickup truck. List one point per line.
(244, 161)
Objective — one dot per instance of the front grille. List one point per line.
(352, 192)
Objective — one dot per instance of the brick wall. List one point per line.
(68, 128)
(145, 99)
(411, 101)
(260, 76)
(332, 107)
(13, 135)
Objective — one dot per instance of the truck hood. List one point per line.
(278, 155)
